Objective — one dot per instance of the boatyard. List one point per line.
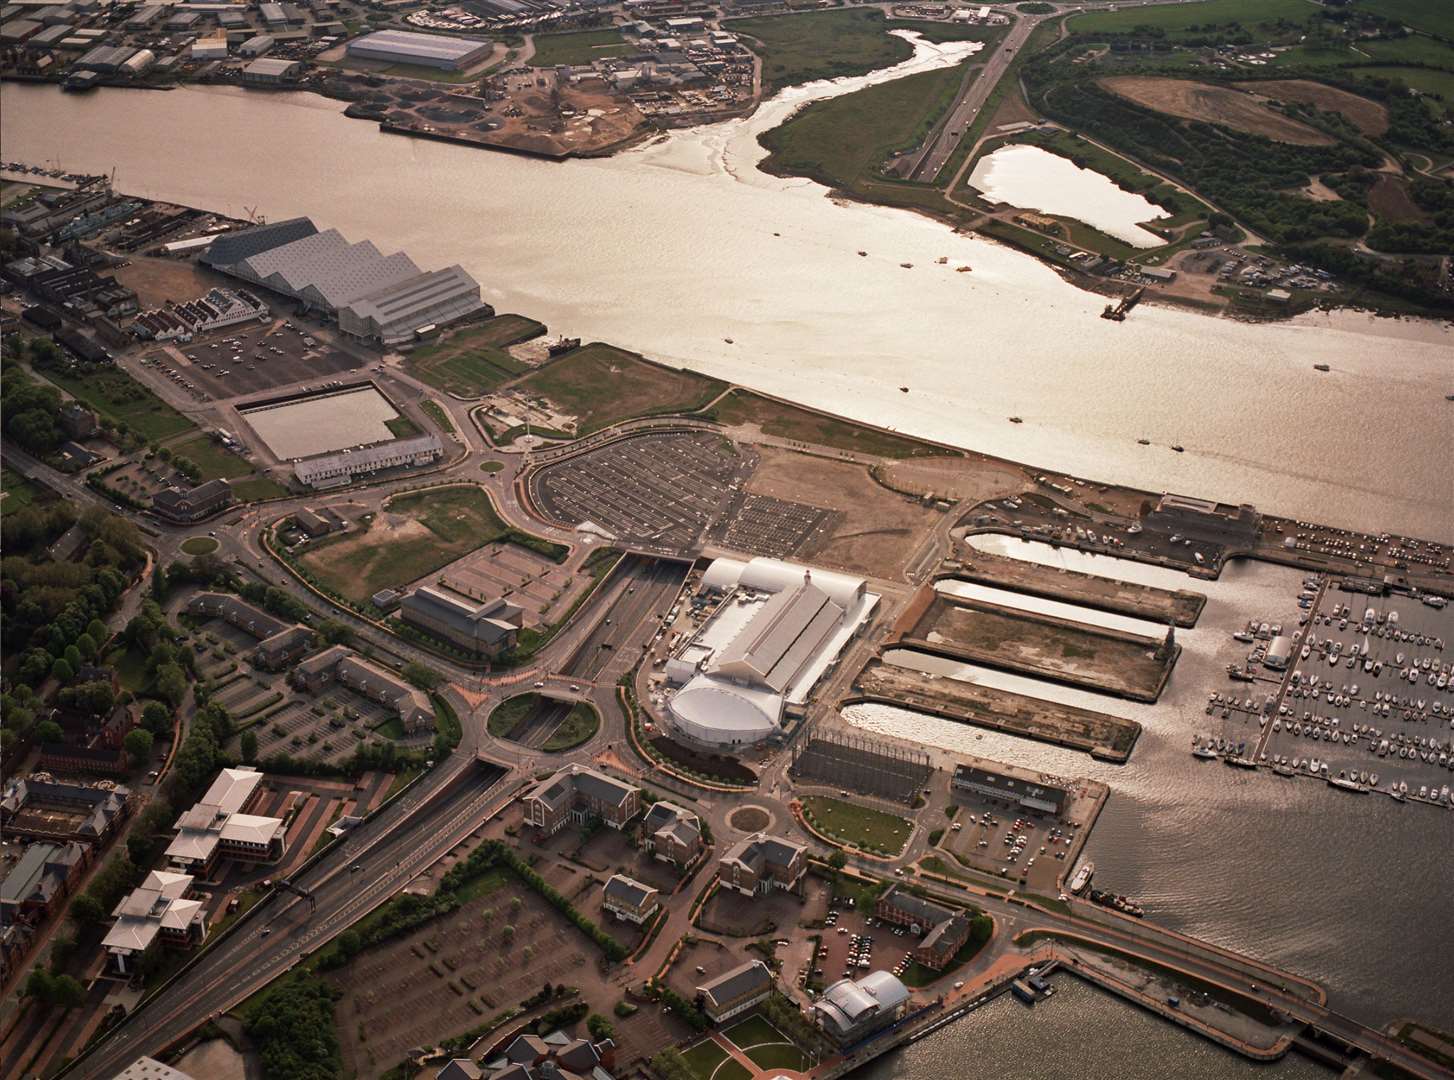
(1358, 694)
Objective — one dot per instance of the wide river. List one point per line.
(676, 246)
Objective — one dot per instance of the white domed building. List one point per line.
(777, 629)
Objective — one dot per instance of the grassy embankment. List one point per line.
(473, 361)
(426, 531)
(601, 384)
(860, 826)
(789, 422)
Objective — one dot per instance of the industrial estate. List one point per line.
(394, 687)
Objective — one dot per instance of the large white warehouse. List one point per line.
(777, 628)
(426, 50)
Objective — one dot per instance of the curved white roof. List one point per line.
(885, 988)
(715, 713)
(723, 574)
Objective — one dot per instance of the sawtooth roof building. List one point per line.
(376, 297)
(776, 630)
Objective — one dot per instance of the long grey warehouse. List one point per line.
(427, 50)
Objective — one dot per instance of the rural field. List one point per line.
(820, 45)
(1192, 100)
(580, 48)
(1367, 116)
(412, 536)
(116, 395)
(473, 361)
(601, 384)
(1259, 17)
(843, 141)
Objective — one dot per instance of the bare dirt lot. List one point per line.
(1389, 198)
(1367, 116)
(1215, 105)
(158, 280)
(883, 531)
(966, 480)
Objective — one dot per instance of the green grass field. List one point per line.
(260, 487)
(215, 462)
(768, 1047)
(861, 826)
(580, 724)
(1425, 79)
(116, 395)
(820, 45)
(582, 48)
(199, 545)
(843, 141)
(600, 384)
(473, 361)
(1257, 17)
(1430, 16)
(1414, 49)
(710, 1062)
(417, 534)
(508, 714)
(789, 422)
(19, 492)
(438, 415)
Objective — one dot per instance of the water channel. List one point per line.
(618, 249)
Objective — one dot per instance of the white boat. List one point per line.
(1082, 877)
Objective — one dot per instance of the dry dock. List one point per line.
(1042, 646)
(1101, 735)
(1179, 608)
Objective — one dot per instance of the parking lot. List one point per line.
(518, 574)
(249, 357)
(854, 943)
(765, 525)
(659, 490)
(1008, 842)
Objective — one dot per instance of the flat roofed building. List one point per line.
(672, 834)
(334, 470)
(269, 72)
(629, 899)
(759, 863)
(735, 991)
(577, 793)
(158, 911)
(1017, 790)
(426, 50)
(147, 1068)
(1205, 519)
(482, 629)
(851, 1010)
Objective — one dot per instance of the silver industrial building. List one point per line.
(375, 297)
(426, 50)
